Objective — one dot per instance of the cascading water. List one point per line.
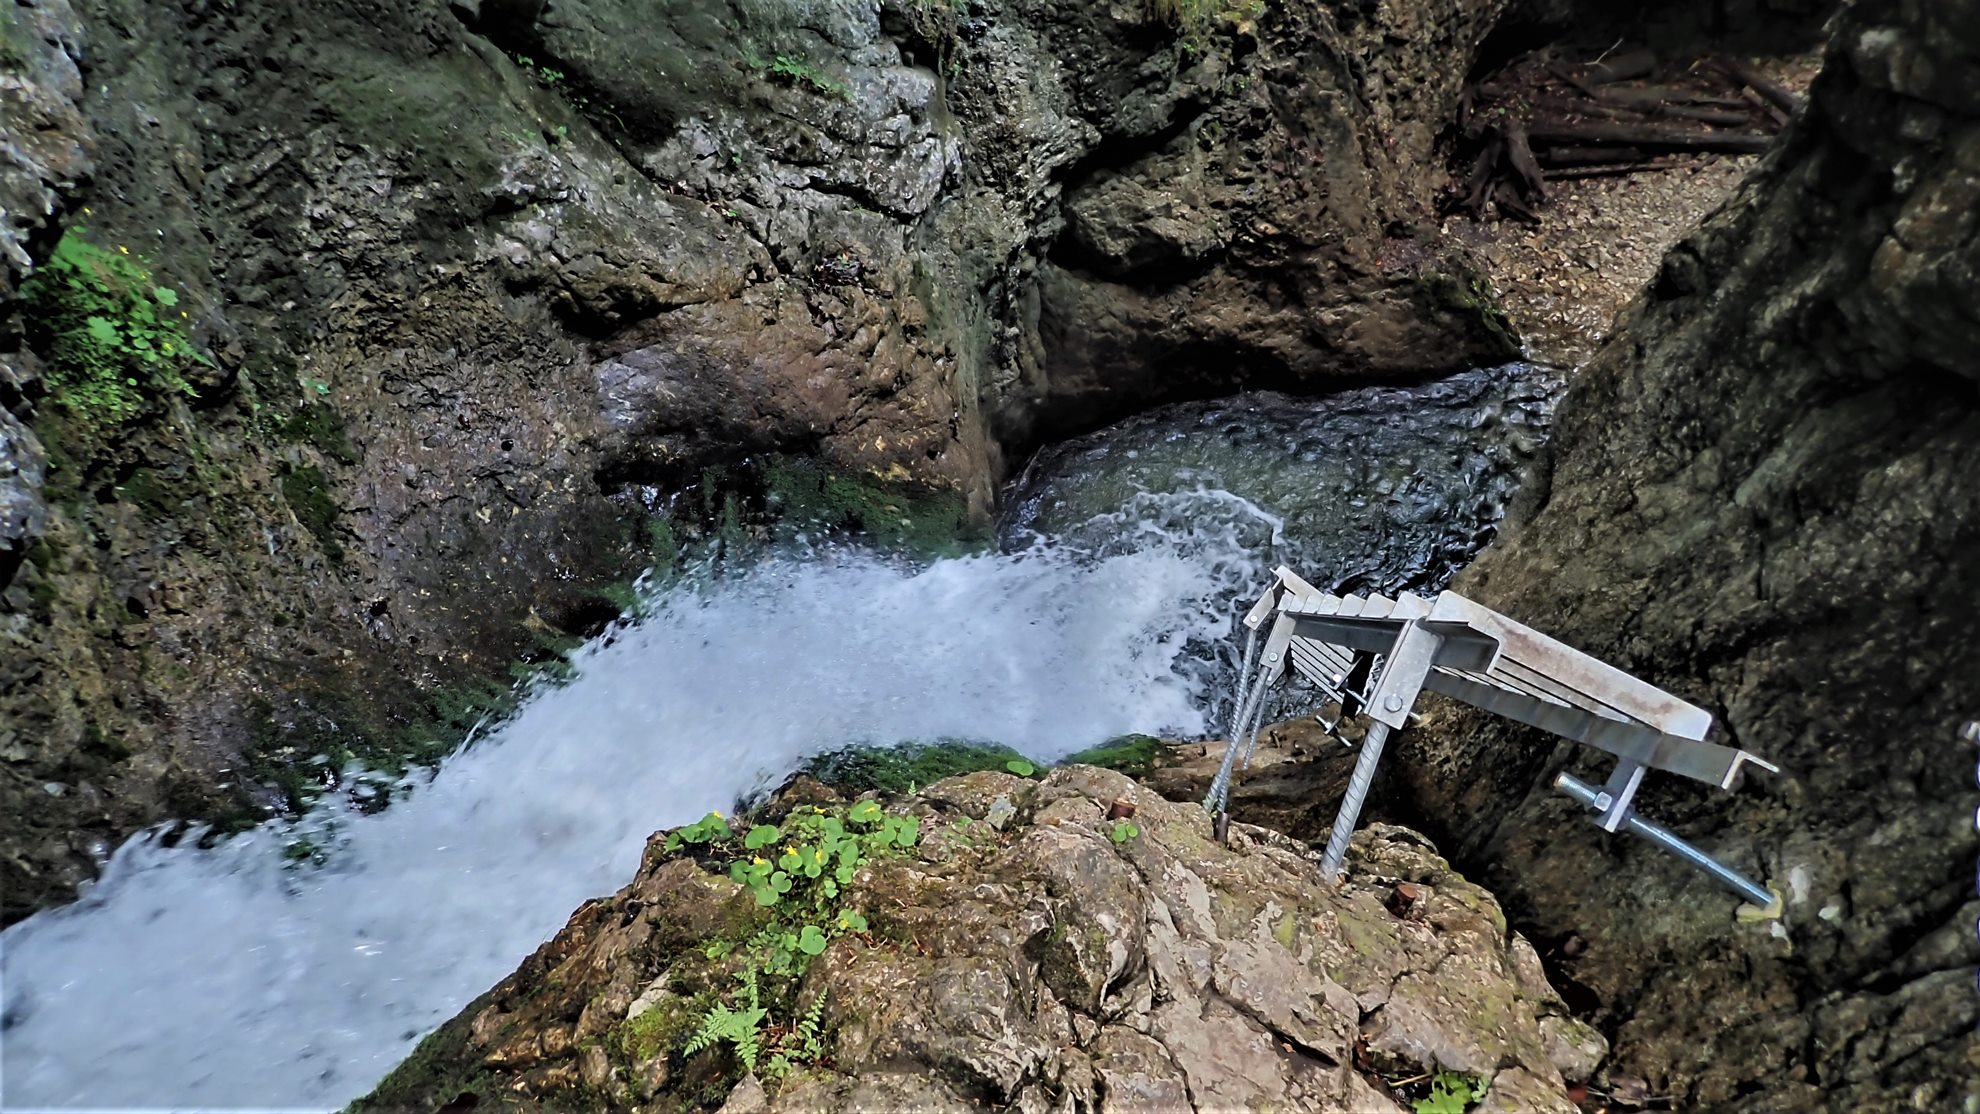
(230, 978)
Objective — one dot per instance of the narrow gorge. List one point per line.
(448, 448)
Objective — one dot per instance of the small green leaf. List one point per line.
(765, 895)
(763, 835)
(166, 295)
(811, 941)
(780, 882)
(1020, 767)
(865, 812)
(101, 329)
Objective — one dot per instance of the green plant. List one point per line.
(1021, 767)
(739, 1027)
(1123, 831)
(705, 830)
(117, 340)
(1450, 1093)
(801, 72)
(798, 870)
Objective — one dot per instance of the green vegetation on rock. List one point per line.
(902, 767)
(1133, 755)
(891, 514)
(1450, 1093)
(1468, 293)
(899, 768)
(308, 493)
(799, 871)
(117, 341)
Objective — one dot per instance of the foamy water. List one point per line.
(223, 979)
(228, 979)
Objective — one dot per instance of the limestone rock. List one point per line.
(46, 146)
(1762, 502)
(23, 464)
(1052, 967)
(505, 275)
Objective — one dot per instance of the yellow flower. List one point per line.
(818, 810)
(123, 249)
(761, 861)
(790, 848)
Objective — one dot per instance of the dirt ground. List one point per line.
(1600, 239)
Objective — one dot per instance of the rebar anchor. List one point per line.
(1389, 651)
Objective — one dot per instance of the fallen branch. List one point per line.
(1564, 157)
(1639, 96)
(1777, 95)
(1597, 132)
(1622, 67)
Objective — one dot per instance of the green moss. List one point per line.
(1465, 292)
(319, 425)
(155, 496)
(1133, 755)
(891, 514)
(892, 769)
(433, 1075)
(308, 493)
(657, 1031)
(1286, 931)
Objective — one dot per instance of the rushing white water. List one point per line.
(223, 979)
(229, 979)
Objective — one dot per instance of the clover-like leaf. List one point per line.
(763, 835)
(765, 895)
(865, 812)
(1020, 767)
(166, 295)
(811, 941)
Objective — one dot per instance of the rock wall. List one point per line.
(1022, 955)
(486, 283)
(1763, 500)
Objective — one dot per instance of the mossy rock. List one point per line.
(1133, 755)
(894, 769)
(890, 514)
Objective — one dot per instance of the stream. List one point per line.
(232, 978)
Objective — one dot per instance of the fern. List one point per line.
(811, 1046)
(737, 1027)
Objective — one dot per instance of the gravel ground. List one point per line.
(1600, 240)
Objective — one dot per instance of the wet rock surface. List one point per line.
(1041, 965)
(1761, 502)
(487, 284)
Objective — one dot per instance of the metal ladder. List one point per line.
(1376, 655)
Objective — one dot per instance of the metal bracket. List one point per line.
(1613, 802)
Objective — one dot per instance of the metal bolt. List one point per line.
(1393, 703)
(1271, 657)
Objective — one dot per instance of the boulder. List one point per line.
(1061, 963)
(1762, 501)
